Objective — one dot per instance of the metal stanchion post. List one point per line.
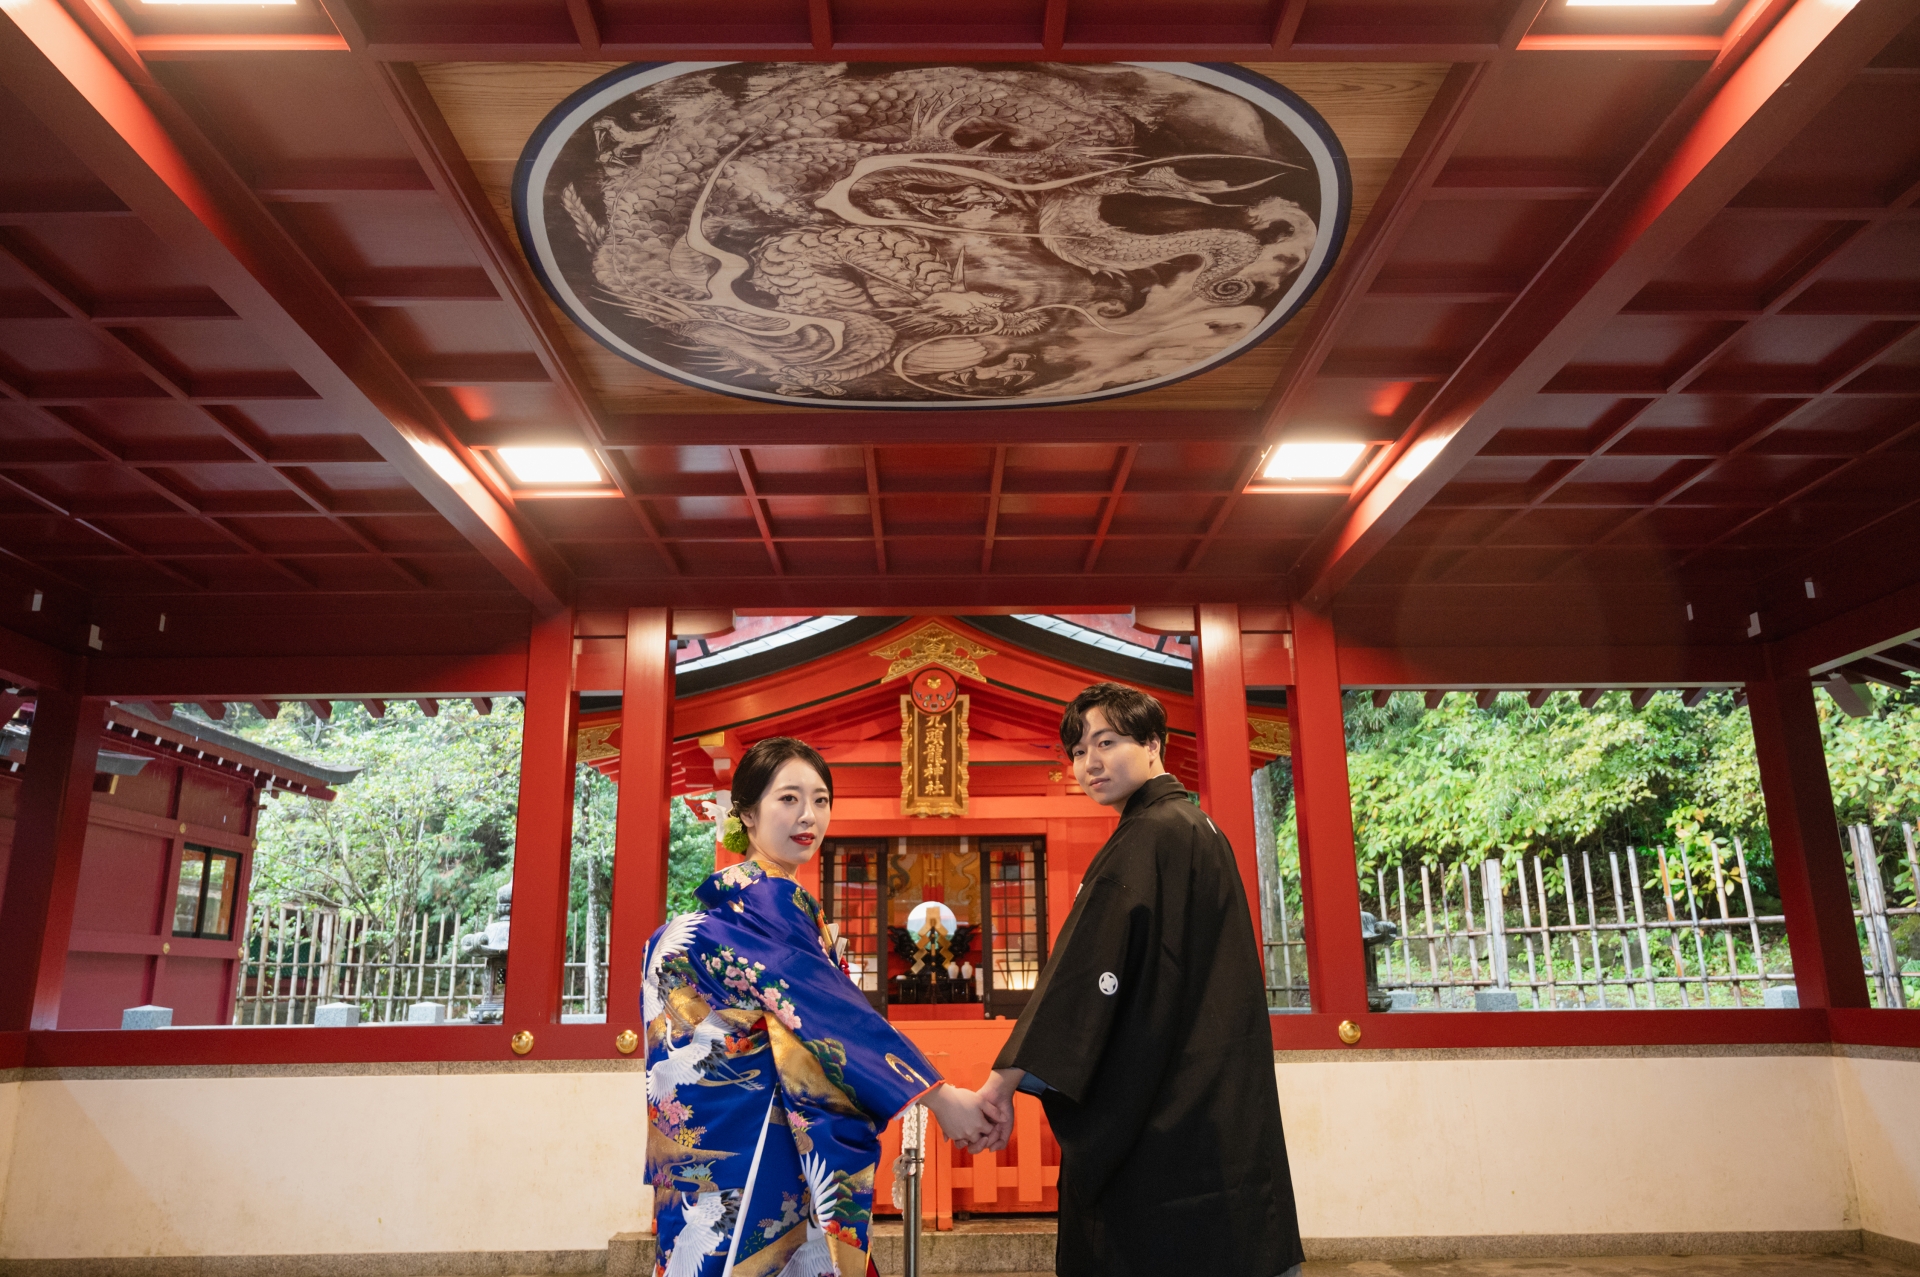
(913, 1133)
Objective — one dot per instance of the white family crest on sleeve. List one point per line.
(675, 938)
(1109, 983)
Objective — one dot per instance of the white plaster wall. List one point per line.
(1881, 1100)
(9, 1113)
(384, 1163)
(1551, 1146)
(319, 1165)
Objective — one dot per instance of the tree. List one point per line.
(428, 825)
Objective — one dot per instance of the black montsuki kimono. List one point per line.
(1149, 1030)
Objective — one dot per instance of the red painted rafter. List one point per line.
(54, 507)
(1053, 25)
(1433, 142)
(1121, 470)
(139, 142)
(1776, 422)
(873, 508)
(993, 507)
(743, 466)
(1760, 94)
(586, 27)
(418, 117)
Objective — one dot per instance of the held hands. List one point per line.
(962, 1118)
(996, 1101)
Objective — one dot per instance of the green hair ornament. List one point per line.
(733, 836)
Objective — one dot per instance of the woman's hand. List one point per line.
(962, 1119)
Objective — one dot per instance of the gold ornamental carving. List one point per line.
(933, 644)
(1270, 736)
(933, 759)
(590, 743)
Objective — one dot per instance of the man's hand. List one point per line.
(996, 1101)
(962, 1117)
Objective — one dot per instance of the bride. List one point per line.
(769, 1077)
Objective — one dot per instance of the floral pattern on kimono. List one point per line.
(769, 1080)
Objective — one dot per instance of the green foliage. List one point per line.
(1457, 783)
(1461, 783)
(428, 825)
(689, 858)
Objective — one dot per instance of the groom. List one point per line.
(1146, 1038)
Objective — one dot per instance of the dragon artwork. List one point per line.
(915, 235)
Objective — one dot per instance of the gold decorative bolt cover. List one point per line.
(627, 1040)
(522, 1042)
(1349, 1033)
(167, 947)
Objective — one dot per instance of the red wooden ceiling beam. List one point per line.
(301, 678)
(27, 662)
(1531, 668)
(1749, 106)
(991, 426)
(178, 184)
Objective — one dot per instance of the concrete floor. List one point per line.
(1649, 1266)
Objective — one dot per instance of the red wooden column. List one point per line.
(1329, 882)
(43, 872)
(640, 837)
(543, 830)
(1807, 859)
(1220, 705)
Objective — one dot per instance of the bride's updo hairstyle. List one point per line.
(763, 761)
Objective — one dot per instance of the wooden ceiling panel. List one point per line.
(353, 240)
(287, 109)
(1849, 155)
(1575, 115)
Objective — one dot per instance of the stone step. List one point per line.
(974, 1248)
(1017, 1247)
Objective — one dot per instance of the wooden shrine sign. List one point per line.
(933, 745)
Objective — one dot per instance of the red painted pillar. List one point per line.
(1329, 882)
(43, 873)
(1807, 859)
(543, 829)
(1220, 704)
(641, 836)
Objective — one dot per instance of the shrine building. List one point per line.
(882, 374)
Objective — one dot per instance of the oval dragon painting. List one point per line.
(887, 235)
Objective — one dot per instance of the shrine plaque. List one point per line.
(933, 747)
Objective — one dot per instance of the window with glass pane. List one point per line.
(1019, 920)
(850, 876)
(203, 899)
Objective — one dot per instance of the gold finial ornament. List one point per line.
(933, 644)
(522, 1042)
(627, 1040)
(1349, 1033)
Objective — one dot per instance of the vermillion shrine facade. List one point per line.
(882, 374)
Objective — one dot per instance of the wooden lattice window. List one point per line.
(851, 878)
(1019, 928)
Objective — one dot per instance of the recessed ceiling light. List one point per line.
(1312, 460)
(550, 465)
(227, 4)
(1641, 4)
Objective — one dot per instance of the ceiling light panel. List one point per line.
(538, 467)
(1328, 460)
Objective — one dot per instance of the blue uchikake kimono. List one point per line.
(769, 1080)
